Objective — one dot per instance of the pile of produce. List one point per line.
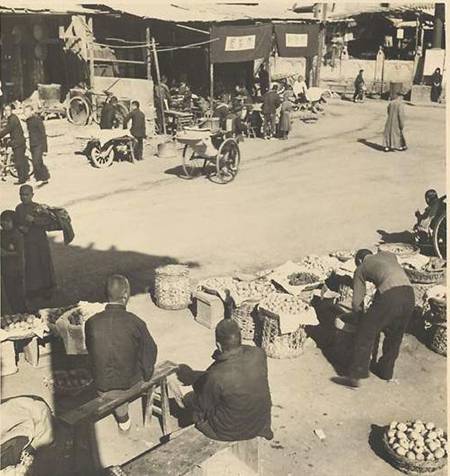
(20, 323)
(302, 278)
(53, 314)
(172, 287)
(219, 284)
(76, 317)
(250, 290)
(322, 266)
(68, 381)
(417, 441)
(400, 249)
(434, 264)
(284, 304)
(343, 255)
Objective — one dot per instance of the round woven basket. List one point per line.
(424, 277)
(245, 316)
(438, 339)
(281, 346)
(172, 287)
(438, 308)
(408, 466)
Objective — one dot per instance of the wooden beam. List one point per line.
(158, 82)
(148, 52)
(193, 29)
(90, 48)
(113, 60)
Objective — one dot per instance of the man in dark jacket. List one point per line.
(121, 350)
(390, 313)
(108, 115)
(38, 144)
(137, 129)
(231, 399)
(15, 131)
(271, 102)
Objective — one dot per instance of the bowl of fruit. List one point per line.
(415, 447)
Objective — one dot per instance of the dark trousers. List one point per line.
(40, 170)
(390, 314)
(21, 163)
(270, 124)
(139, 148)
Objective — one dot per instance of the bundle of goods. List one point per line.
(415, 447)
(172, 287)
(432, 272)
(283, 318)
(399, 249)
(343, 255)
(69, 382)
(21, 326)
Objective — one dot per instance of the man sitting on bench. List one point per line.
(121, 350)
(231, 399)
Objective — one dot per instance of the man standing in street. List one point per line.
(390, 313)
(108, 115)
(137, 129)
(231, 400)
(271, 102)
(38, 144)
(121, 350)
(18, 144)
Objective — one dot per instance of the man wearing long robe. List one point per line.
(38, 144)
(395, 123)
(39, 272)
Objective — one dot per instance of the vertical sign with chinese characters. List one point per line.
(240, 43)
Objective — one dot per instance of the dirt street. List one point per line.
(327, 187)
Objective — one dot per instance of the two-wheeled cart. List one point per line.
(209, 153)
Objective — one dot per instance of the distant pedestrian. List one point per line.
(285, 118)
(137, 129)
(18, 144)
(38, 144)
(436, 85)
(271, 102)
(263, 79)
(108, 118)
(360, 86)
(395, 123)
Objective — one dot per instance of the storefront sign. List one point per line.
(295, 40)
(236, 44)
(240, 43)
(400, 34)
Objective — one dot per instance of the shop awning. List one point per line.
(235, 44)
(297, 40)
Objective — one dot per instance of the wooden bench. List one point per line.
(190, 453)
(82, 419)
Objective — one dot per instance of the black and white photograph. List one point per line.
(223, 233)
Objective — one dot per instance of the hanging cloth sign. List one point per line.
(296, 40)
(235, 44)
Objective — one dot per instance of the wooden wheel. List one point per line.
(78, 111)
(193, 164)
(227, 162)
(440, 237)
(101, 158)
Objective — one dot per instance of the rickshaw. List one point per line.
(211, 153)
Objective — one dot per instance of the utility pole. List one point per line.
(322, 37)
(439, 18)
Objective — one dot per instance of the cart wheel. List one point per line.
(227, 162)
(193, 164)
(101, 158)
(440, 237)
(78, 111)
(13, 171)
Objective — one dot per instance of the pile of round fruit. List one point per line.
(284, 304)
(417, 441)
(302, 279)
(20, 323)
(322, 266)
(219, 284)
(248, 290)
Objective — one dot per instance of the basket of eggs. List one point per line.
(414, 447)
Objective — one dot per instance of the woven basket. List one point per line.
(424, 277)
(400, 249)
(408, 466)
(172, 287)
(281, 346)
(438, 339)
(245, 316)
(419, 292)
(438, 308)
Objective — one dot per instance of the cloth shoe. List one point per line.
(125, 426)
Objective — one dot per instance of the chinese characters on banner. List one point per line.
(240, 43)
(296, 40)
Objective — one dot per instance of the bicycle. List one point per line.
(84, 107)
(7, 165)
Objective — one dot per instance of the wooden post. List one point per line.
(322, 38)
(148, 50)
(158, 81)
(91, 54)
(211, 87)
